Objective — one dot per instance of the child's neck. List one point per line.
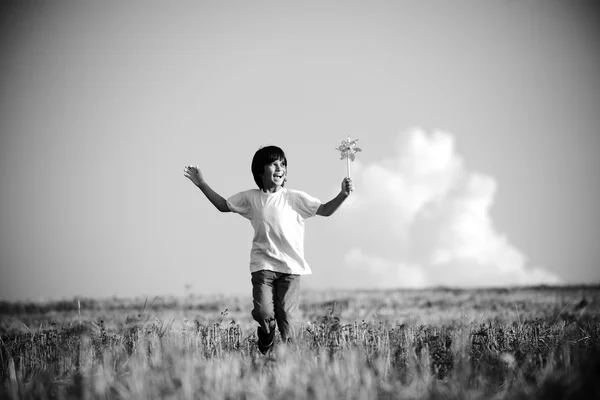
(272, 189)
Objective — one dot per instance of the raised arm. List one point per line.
(193, 174)
(331, 206)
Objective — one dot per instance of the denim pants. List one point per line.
(275, 297)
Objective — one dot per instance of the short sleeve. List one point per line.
(238, 203)
(306, 205)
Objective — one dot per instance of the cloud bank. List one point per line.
(424, 220)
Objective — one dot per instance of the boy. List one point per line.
(277, 215)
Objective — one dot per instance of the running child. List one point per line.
(277, 260)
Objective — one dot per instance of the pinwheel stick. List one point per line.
(348, 167)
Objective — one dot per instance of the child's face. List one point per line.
(274, 174)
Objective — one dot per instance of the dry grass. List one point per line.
(514, 343)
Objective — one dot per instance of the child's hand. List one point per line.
(347, 186)
(193, 174)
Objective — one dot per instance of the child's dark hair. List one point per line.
(265, 156)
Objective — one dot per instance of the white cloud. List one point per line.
(425, 220)
(385, 272)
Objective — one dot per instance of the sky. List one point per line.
(479, 124)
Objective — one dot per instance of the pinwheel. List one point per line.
(348, 150)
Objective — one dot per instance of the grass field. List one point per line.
(540, 343)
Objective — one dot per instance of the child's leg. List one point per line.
(287, 289)
(262, 296)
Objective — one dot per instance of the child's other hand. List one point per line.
(193, 174)
(347, 186)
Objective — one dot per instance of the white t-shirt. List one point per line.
(278, 222)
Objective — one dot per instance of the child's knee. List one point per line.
(286, 307)
(262, 313)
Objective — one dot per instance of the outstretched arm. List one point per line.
(331, 206)
(193, 174)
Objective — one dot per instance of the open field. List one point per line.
(499, 343)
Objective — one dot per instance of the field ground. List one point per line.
(540, 342)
